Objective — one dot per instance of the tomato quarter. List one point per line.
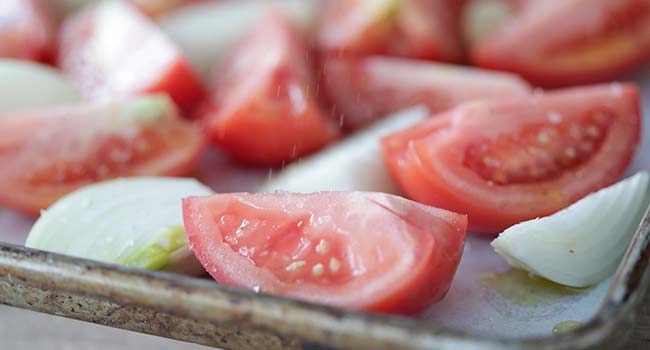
(363, 90)
(361, 250)
(507, 161)
(26, 30)
(112, 50)
(425, 29)
(560, 43)
(50, 152)
(264, 109)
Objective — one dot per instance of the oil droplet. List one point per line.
(521, 288)
(566, 326)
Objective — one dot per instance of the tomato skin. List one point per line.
(363, 90)
(263, 110)
(425, 29)
(26, 30)
(107, 61)
(54, 151)
(429, 161)
(420, 269)
(540, 44)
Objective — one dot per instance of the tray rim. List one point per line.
(199, 299)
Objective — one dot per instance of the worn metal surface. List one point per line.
(202, 312)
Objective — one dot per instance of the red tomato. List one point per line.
(363, 90)
(157, 8)
(112, 50)
(412, 28)
(48, 153)
(26, 30)
(560, 43)
(367, 251)
(503, 162)
(263, 109)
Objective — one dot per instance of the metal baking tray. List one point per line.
(201, 311)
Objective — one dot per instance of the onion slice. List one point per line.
(134, 222)
(354, 164)
(25, 85)
(582, 244)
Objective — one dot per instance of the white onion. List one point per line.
(354, 164)
(120, 221)
(25, 85)
(583, 244)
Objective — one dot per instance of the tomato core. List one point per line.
(538, 152)
(292, 246)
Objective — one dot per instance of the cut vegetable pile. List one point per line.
(349, 100)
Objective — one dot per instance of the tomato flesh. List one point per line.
(264, 110)
(26, 30)
(426, 29)
(57, 150)
(111, 50)
(538, 152)
(364, 90)
(503, 162)
(542, 45)
(366, 251)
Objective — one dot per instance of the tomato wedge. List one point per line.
(508, 161)
(426, 29)
(50, 152)
(112, 50)
(264, 109)
(363, 90)
(561, 43)
(26, 30)
(362, 250)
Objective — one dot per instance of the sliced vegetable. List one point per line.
(361, 250)
(583, 244)
(426, 29)
(135, 222)
(264, 109)
(507, 161)
(111, 50)
(363, 90)
(29, 85)
(352, 164)
(562, 43)
(26, 30)
(54, 151)
(206, 32)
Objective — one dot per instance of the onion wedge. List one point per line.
(582, 244)
(354, 164)
(25, 85)
(135, 222)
